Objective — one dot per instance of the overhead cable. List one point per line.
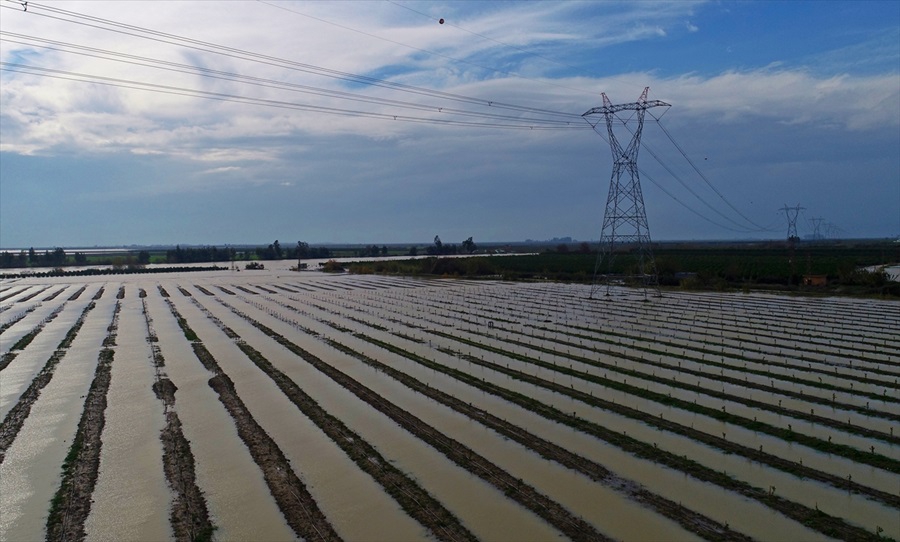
(198, 45)
(259, 81)
(702, 176)
(755, 228)
(182, 91)
(643, 173)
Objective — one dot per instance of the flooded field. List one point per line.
(275, 405)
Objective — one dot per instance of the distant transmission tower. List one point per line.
(625, 220)
(792, 213)
(816, 224)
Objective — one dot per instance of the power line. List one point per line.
(739, 227)
(756, 227)
(182, 91)
(646, 175)
(264, 82)
(695, 194)
(491, 120)
(702, 176)
(198, 45)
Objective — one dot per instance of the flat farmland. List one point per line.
(271, 405)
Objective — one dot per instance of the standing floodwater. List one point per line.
(691, 416)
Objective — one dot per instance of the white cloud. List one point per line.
(218, 170)
(220, 145)
(791, 96)
(165, 121)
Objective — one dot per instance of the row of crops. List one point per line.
(282, 406)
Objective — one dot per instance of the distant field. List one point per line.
(698, 268)
(695, 266)
(275, 405)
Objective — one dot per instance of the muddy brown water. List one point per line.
(824, 497)
(479, 506)
(17, 376)
(595, 503)
(30, 474)
(359, 506)
(715, 502)
(131, 487)
(238, 498)
(24, 324)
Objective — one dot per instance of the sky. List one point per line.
(243, 122)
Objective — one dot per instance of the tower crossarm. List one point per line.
(635, 106)
(641, 105)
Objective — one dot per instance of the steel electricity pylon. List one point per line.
(816, 223)
(625, 219)
(792, 213)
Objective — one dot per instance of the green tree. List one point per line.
(57, 257)
(469, 246)
(302, 250)
(437, 247)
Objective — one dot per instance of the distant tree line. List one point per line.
(273, 251)
(32, 258)
(765, 268)
(439, 248)
(204, 254)
(93, 271)
(199, 254)
(584, 248)
(58, 258)
(373, 250)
